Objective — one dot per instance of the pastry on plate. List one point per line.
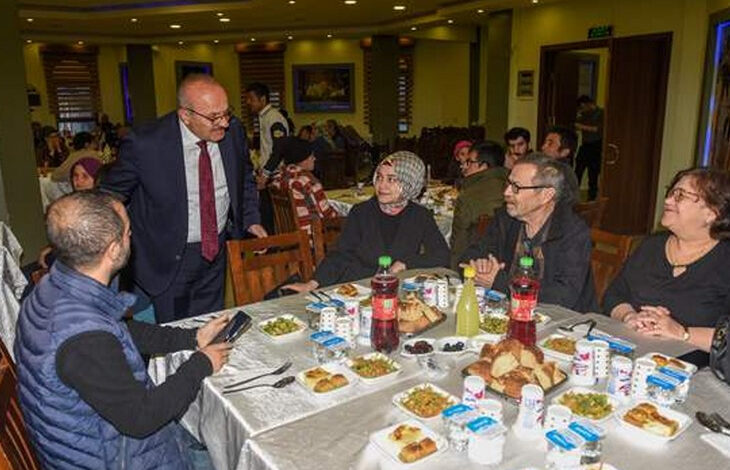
(417, 450)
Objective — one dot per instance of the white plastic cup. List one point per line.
(352, 307)
(532, 408)
(430, 292)
(473, 390)
(491, 408)
(643, 368)
(557, 417)
(619, 382)
(327, 319)
(582, 370)
(601, 358)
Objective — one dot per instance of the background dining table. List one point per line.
(290, 428)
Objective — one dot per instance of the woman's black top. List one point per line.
(697, 297)
(411, 237)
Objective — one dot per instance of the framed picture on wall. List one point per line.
(323, 88)
(525, 84)
(184, 68)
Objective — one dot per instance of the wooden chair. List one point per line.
(285, 212)
(482, 224)
(609, 253)
(16, 449)
(592, 211)
(7, 360)
(325, 234)
(255, 275)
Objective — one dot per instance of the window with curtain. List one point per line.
(404, 85)
(72, 80)
(264, 64)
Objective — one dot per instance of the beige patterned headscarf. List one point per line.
(411, 174)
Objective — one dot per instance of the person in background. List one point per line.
(306, 133)
(85, 146)
(481, 194)
(335, 134)
(517, 141)
(560, 144)
(589, 122)
(296, 176)
(538, 221)
(459, 153)
(390, 223)
(54, 152)
(676, 284)
(84, 391)
(188, 181)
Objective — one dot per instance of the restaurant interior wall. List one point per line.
(569, 21)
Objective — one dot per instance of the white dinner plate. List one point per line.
(302, 328)
(553, 353)
(332, 369)
(390, 448)
(362, 293)
(614, 403)
(399, 397)
(375, 380)
(648, 437)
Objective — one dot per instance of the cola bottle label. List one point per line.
(385, 308)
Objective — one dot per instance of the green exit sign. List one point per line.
(598, 32)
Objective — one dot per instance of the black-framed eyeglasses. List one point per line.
(466, 163)
(680, 194)
(516, 188)
(225, 116)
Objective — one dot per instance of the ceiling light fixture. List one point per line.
(181, 43)
(175, 26)
(133, 20)
(290, 37)
(253, 39)
(215, 41)
(480, 11)
(80, 43)
(28, 41)
(350, 2)
(220, 14)
(224, 20)
(450, 21)
(292, 2)
(329, 35)
(535, 1)
(29, 20)
(413, 28)
(399, 7)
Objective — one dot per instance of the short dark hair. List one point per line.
(515, 133)
(82, 139)
(489, 152)
(568, 138)
(305, 128)
(259, 89)
(582, 99)
(80, 227)
(713, 187)
(555, 174)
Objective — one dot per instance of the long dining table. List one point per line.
(290, 428)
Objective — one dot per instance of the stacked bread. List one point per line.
(508, 365)
(414, 315)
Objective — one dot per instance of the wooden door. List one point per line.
(633, 131)
(563, 89)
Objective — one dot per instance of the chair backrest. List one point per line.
(482, 224)
(609, 253)
(7, 359)
(325, 233)
(285, 212)
(17, 450)
(255, 275)
(592, 211)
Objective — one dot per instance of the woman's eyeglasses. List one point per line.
(680, 194)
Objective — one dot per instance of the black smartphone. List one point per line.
(238, 325)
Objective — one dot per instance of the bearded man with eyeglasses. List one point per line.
(538, 221)
(188, 183)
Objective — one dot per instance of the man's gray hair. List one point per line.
(80, 227)
(182, 98)
(555, 174)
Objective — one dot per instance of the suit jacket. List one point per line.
(150, 175)
(567, 278)
(418, 243)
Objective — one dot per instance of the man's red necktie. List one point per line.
(208, 219)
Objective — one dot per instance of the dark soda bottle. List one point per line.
(524, 289)
(384, 330)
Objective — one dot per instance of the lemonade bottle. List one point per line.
(467, 310)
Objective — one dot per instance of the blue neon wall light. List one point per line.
(716, 62)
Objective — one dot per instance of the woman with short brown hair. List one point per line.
(676, 285)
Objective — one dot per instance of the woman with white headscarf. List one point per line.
(390, 223)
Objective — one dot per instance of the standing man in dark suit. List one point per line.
(189, 186)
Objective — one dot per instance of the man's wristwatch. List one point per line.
(685, 334)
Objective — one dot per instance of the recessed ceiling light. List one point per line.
(535, 1)
(292, 2)
(29, 20)
(350, 2)
(450, 21)
(28, 41)
(290, 37)
(253, 39)
(413, 28)
(175, 26)
(399, 7)
(215, 41)
(133, 20)
(220, 13)
(80, 43)
(480, 11)
(224, 20)
(329, 35)
(181, 42)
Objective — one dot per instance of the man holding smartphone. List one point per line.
(84, 390)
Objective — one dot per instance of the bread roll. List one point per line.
(503, 363)
(481, 368)
(531, 357)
